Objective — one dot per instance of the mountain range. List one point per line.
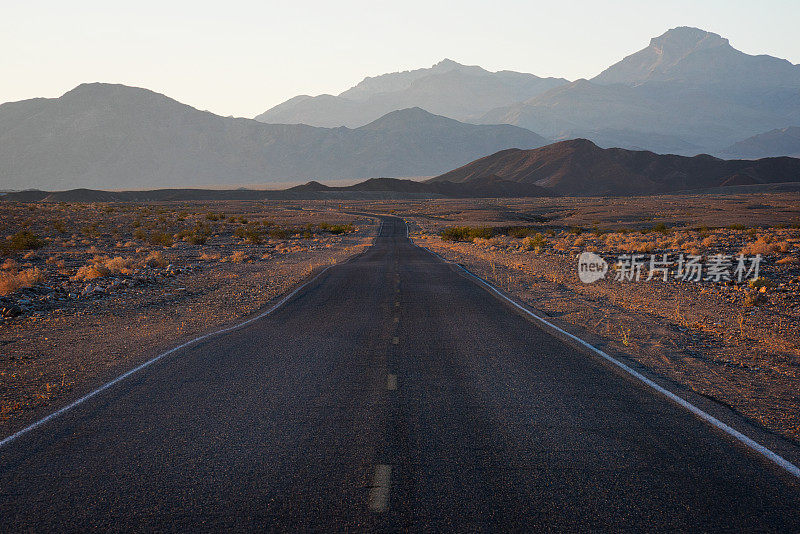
(114, 136)
(571, 168)
(778, 142)
(689, 91)
(448, 88)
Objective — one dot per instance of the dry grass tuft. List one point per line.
(90, 272)
(764, 245)
(11, 281)
(155, 259)
(238, 257)
(101, 266)
(120, 265)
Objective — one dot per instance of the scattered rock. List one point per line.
(10, 311)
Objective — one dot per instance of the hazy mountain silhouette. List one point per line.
(448, 88)
(778, 142)
(697, 57)
(574, 168)
(579, 167)
(114, 136)
(689, 90)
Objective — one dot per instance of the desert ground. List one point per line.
(89, 290)
(736, 343)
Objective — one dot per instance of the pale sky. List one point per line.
(241, 57)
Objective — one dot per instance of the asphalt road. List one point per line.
(391, 393)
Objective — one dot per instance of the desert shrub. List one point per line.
(645, 247)
(521, 232)
(209, 256)
(101, 266)
(211, 216)
(340, 228)
(466, 233)
(155, 259)
(22, 240)
(249, 233)
(535, 242)
(754, 298)
(576, 230)
(11, 281)
(90, 272)
(764, 245)
(333, 228)
(119, 265)
(737, 227)
(160, 239)
(278, 233)
(709, 241)
(238, 257)
(140, 234)
(196, 236)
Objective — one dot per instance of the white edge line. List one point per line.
(747, 441)
(150, 362)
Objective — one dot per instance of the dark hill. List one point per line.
(579, 167)
(374, 188)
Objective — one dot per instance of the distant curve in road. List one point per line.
(390, 393)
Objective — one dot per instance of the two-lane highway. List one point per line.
(390, 393)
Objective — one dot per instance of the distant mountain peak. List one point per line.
(90, 88)
(687, 39)
(695, 56)
(409, 116)
(579, 143)
(95, 90)
(447, 63)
